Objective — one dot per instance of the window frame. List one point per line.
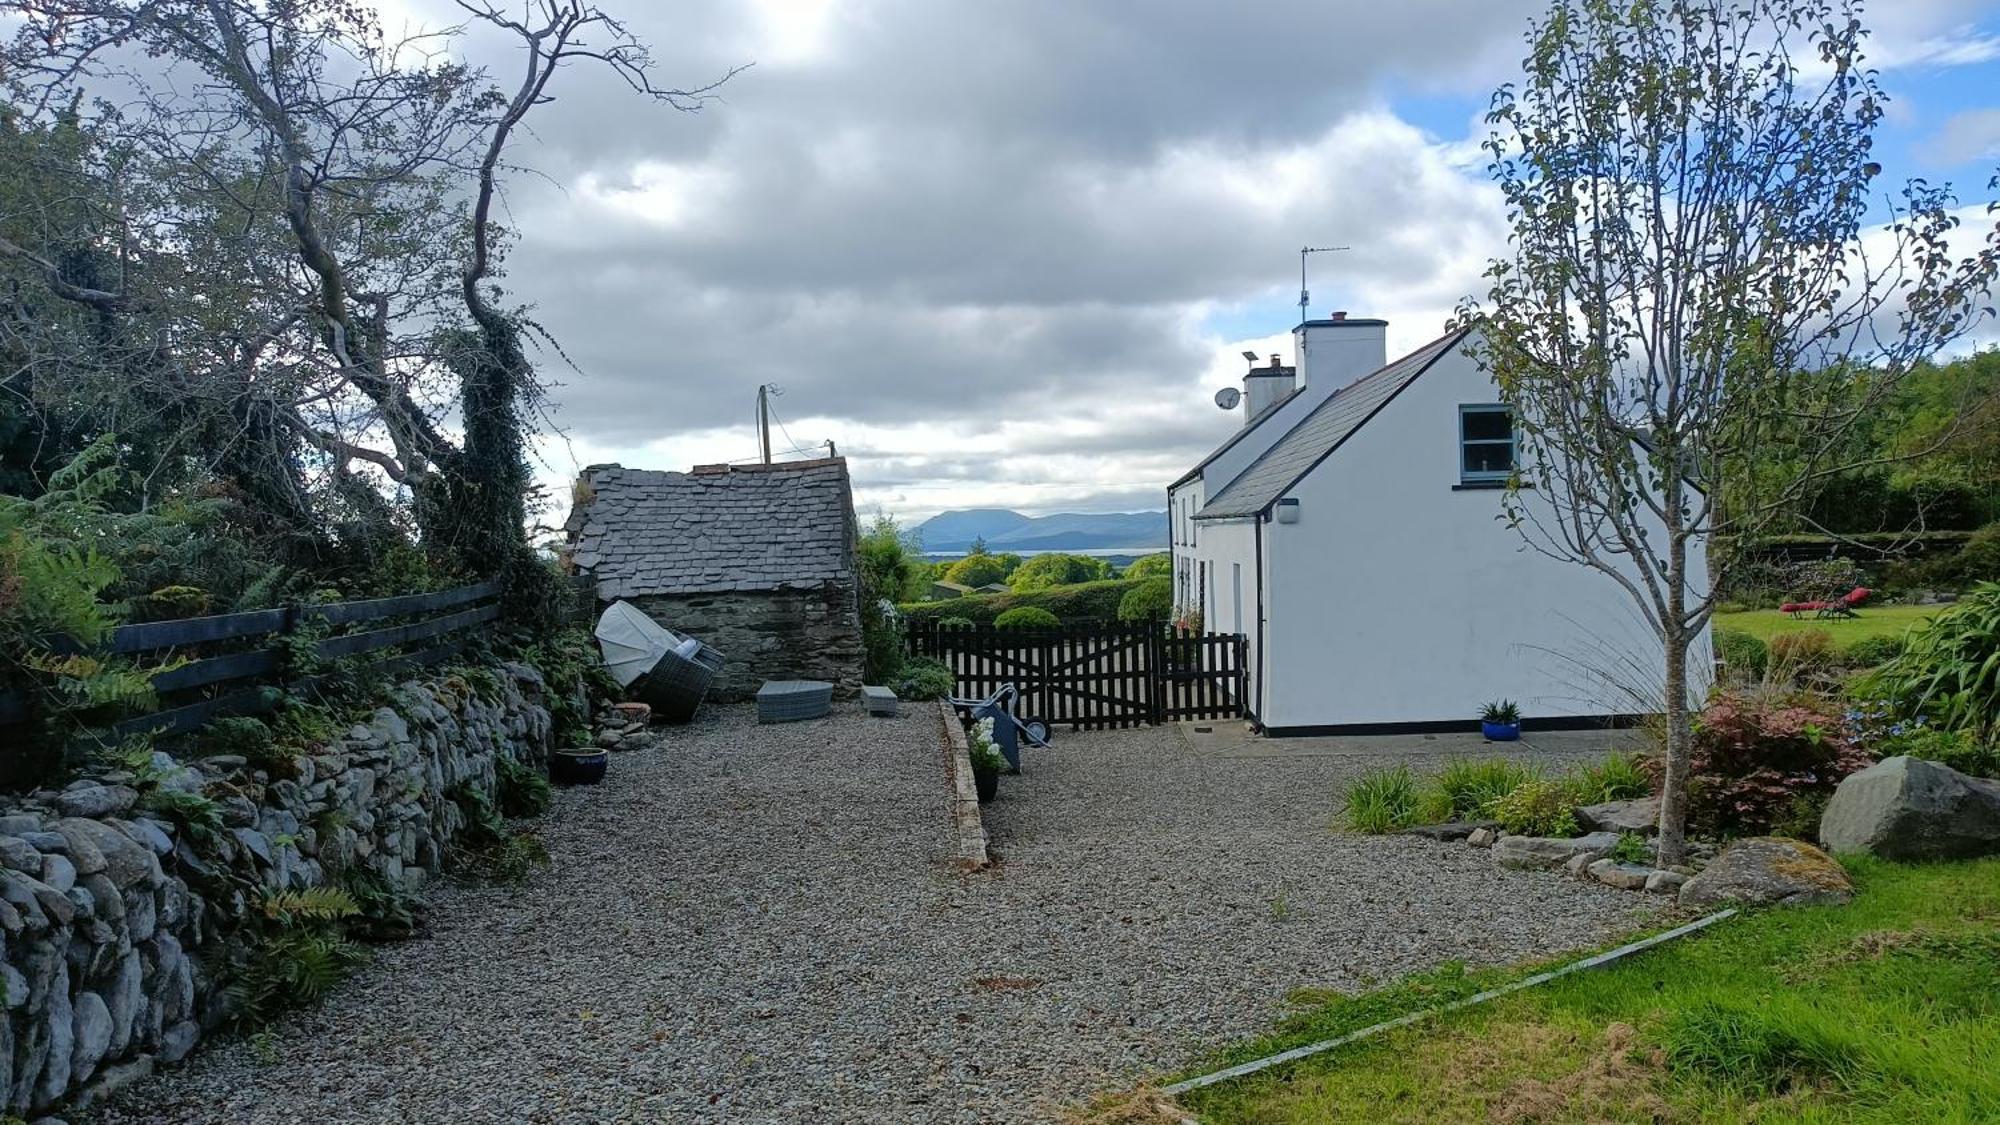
(1486, 477)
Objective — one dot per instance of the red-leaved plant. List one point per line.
(1756, 759)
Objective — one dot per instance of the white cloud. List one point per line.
(1969, 135)
(978, 246)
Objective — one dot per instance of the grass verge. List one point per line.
(1882, 621)
(1884, 1010)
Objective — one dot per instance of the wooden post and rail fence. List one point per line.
(229, 666)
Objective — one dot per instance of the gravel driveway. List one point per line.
(755, 924)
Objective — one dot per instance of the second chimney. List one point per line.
(1264, 387)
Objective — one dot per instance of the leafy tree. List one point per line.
(1151, 566)
(1057, 569)
(889, 568)
(307, 256)
(976, 570)
(1687, 290)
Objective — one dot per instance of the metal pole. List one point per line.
(764, 421)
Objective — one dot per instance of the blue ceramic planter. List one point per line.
(1500, 732)
(578, 767)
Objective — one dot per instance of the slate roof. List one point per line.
(718, 528)
(1242, 432)
(1319, 433)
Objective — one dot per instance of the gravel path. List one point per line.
(755, 924)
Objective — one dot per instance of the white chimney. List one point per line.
(1340, 349)
(1263, 387)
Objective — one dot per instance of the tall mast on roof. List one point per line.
(1305, 295)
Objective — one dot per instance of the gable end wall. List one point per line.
(808, 634)
(1395, 599)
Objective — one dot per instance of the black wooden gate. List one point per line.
(1094, 675)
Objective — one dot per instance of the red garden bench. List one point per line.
(1842, 606)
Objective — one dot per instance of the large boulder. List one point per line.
(1909, 808)
(1641, 815)
(1769, 870)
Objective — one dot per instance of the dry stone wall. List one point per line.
(115, 921)
(812, 634)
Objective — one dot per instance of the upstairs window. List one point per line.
(1485, 444)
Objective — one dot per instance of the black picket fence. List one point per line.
(1094, 676)
(211, 680)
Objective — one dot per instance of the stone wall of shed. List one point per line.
(116, 922)
(771, 635)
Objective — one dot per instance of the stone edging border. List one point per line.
(1605, 958)
(968, 831)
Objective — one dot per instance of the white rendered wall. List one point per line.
(1225, 545)
(1395, 598)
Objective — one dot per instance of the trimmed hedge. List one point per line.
(1072, 605)
(1151, 600)
(1027, 617)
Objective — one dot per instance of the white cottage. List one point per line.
(1348, 530)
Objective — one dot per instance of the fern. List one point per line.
(313, 904)
(297, 951)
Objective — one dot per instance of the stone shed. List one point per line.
(756, 560)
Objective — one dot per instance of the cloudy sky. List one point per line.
(1005, 253)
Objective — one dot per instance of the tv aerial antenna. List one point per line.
(1305, 295)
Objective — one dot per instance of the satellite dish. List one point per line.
(1228, 397)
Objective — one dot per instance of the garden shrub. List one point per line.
(1150, 600)
(243, 735)
(1619, 777)
(1803, 654)
(1057, 569)
(1151, 566)
(957, 622)
(923, 678)
(889, 566)
(1074, 605)
(1949, 671)
(1743, 656)
(1959, 749)
(1979, 559)
(1871, 652)
(1541, 807)
(976, 571)
(1382, 800)
(1467, 785)
(1027, 617)
(1631, 848)
(1752, 755)
(1755, 580)
(519, 789)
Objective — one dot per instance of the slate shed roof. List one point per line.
(1319, 433)
(719, 528)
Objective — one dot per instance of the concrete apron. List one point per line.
(1231, 739)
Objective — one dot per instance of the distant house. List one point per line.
(1350, 532)
(756, 560)
(942, 591)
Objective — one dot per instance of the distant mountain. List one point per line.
(1003, 530)
(955, 531)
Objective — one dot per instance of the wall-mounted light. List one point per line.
(1288, 511)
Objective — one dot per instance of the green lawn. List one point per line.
(1884, 621)
(1887, 1010)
